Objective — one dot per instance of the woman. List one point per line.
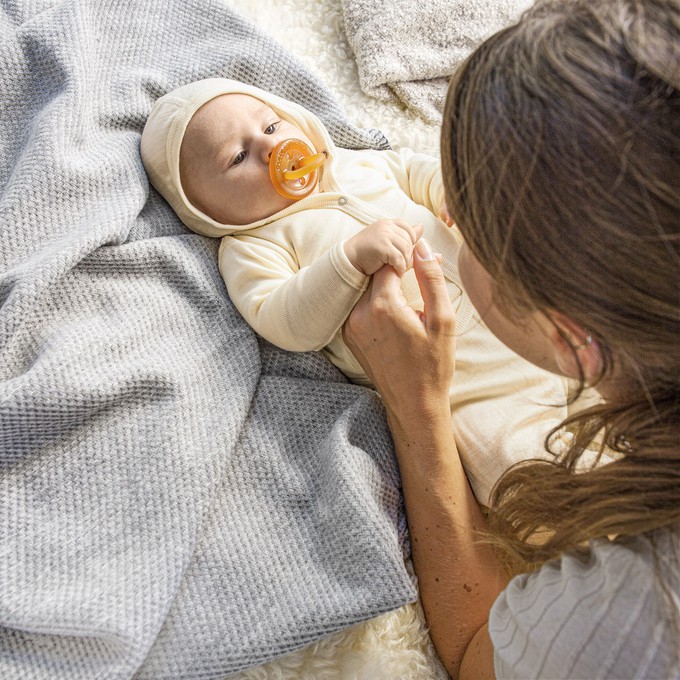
(561, 157)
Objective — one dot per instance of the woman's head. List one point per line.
(561, 159)
(561, 155)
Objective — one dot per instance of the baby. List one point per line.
(295, 268)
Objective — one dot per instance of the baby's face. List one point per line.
(224, 158)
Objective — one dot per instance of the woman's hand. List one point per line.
(407, 354)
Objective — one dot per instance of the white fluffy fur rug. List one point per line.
(394, 646)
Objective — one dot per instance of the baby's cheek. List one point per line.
(282, 202)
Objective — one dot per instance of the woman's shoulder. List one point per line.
(613, 611)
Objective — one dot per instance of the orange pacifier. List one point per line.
(294, 168)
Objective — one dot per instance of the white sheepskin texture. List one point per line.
(396, 645)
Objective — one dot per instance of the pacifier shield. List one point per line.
(294, 168)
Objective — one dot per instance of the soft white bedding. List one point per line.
(394, 646)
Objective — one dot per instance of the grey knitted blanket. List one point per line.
(178, 499)
(408, 49)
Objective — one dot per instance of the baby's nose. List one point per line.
(267, 147)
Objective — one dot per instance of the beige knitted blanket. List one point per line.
(408, 49)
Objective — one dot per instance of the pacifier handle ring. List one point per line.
(294, 168)
(307, 165)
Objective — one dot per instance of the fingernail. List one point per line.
(423, 250)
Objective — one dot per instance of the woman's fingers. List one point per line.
(407, 354)
(386, 289)
(382, 299)
(438, 311)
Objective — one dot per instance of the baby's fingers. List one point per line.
(398, 260)
(409, 236)
(412, 231)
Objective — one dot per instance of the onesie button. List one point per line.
(342, 201)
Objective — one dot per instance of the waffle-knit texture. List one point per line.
(178, 499)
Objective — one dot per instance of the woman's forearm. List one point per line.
(458, 577)
(409, 357)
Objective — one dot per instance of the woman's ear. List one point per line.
(575, 346)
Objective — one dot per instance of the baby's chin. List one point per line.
(250, 216)
(240, 218)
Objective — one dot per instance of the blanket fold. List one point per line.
(406, 50)
(179, 499)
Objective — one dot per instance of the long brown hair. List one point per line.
(561, 160)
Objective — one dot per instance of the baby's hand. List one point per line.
(383, 242)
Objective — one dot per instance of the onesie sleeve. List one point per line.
(299, 309)
(418, 175)
(599, 616)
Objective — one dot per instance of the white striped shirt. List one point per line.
(603, 616)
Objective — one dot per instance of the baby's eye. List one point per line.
(239, 158)
(271, 129)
